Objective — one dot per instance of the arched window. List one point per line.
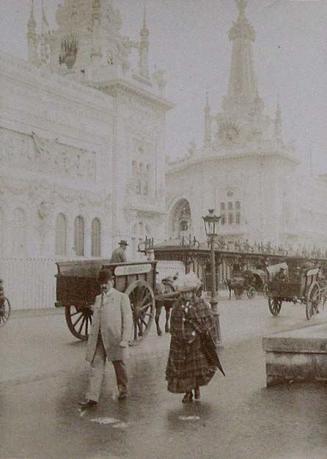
(19, 232)
(79, 236)
(96, 238)
(61, 235)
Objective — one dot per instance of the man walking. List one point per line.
(119, 254)
(108, 338)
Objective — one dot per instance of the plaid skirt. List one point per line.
(187, 366)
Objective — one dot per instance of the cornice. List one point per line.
(116, 85)
(190, 162)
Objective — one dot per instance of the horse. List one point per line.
(165, 287)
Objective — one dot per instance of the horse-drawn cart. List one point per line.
(297, 285)
(250, 281)
(77, 287)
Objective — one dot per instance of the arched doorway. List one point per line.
(180, 220)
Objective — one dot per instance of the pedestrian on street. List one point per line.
(108, 338)
(119, 254)
(188, 365)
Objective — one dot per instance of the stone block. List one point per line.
(297, 355)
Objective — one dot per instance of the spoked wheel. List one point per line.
(251, 292)
(265, 290)
(143, 306)
(5, 310)
(275, 305)
(313, 300)
(79, 321)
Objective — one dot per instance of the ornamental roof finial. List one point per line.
(31, 21)
(44, 17)
(241, 5)
(144, 31)
(144, 17)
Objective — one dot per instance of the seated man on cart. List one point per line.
(282, 275)
(119, 254)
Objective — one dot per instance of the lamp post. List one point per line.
(211, 227)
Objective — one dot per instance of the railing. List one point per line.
(29, 283)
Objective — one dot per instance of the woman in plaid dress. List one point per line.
(188, 367)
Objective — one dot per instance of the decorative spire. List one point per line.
(31, 25)
(278, 123)
(96, 11)
(32, 39)
(242, 88)
(96, 22)
(44, 39)
(144, 18)
(207, 122)
(45, 24)
(144, 48)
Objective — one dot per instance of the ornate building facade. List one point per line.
(244, 169)
(81, 137)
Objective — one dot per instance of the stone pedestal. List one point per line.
(297, 355)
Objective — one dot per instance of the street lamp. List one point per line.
(211, 227)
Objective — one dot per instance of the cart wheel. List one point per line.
(251, 292)
(275, 305)
(143, 306)
(313, 300)
(265, 290)
(5, 310)
(79, 321)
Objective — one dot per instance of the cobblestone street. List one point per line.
(43, 375)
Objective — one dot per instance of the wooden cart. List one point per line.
(299, 285)
(77, 288)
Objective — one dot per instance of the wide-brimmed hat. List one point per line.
(122, 242)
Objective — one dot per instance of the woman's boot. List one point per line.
(187, 397)
(197, 395)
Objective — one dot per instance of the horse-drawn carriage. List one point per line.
(5, 307)
(294, 284)
(77, 287)
(250, 281)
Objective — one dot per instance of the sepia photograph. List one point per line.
(163, 229)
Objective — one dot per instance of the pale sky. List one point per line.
(188, 38)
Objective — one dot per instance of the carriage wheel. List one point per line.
(313, 300)
(265, 290)
(275, 305)
(251, 292)
(79, 321)
(5, 310)
(143, 306)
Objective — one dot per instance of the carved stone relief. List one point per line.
(35, 154)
